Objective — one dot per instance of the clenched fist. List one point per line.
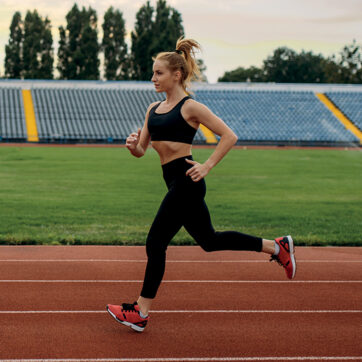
(133, 139)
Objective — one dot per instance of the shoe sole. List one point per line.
(291, 249)
(128, 324)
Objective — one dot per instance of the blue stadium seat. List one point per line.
(92, 115)
(284, 116)
(87, 113)
(12, 119)
(350, 103)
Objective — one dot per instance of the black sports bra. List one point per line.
(170, 126)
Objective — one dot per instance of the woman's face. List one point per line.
(163, 79)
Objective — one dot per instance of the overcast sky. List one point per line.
(232, 32)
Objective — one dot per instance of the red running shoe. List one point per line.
(285, 258)
(129, 315)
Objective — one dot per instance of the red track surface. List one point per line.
(52, 305)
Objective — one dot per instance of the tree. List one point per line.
(47, 57)
(152, 36)
(285, 65)
(114, 45)
(78, 45)
(89, 47)
(141, 58)
(252, 74)
(13, 50)
(310, 68)
(346, 67)
(37, 47)
(281, 66)
(176, 28)
(167, 28)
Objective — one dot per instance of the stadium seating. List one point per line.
(93, 115)
(109, 112)
(350, 103)
(12, 119)
(283, 116)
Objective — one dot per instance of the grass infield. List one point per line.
(54, 195)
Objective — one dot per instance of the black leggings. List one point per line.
(184, 205)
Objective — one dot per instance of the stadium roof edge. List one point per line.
(100, 84)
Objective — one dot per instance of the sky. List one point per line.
(232, 33)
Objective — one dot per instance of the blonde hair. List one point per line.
(183, 59)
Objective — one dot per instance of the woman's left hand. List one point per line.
(198, 171)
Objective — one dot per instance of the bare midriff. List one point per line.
(169, 150)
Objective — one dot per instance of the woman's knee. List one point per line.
(208, 242)
(155, 249)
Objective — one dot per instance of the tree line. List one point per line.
(287, 66)
(29, 53)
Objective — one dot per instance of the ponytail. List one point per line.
(183, 59)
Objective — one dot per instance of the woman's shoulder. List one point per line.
(192, 105)
(194, 110)
(153, 104)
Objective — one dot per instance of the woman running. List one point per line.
(171, 125)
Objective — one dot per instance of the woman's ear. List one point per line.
(177, 75)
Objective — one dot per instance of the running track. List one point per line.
(222, 306)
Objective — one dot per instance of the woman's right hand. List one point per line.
(133, 139)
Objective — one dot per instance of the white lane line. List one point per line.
(196, 359)
(168, 261)
(186, 281)
(241, 311)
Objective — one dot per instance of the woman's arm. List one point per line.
(137, 143)
(198, 112)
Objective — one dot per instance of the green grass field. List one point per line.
(51, 195)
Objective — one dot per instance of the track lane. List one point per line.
(173, 253)
(176, 271)
(94, 296)
(178, 335)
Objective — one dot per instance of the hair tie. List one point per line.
(179, 51)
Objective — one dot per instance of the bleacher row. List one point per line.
(111, 114)
(12, 118)
(350, 103)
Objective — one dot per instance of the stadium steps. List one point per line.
(276, 117)
(88, 114)
(30, 121)
(350, 104)
(209, 135)
(340, 115)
